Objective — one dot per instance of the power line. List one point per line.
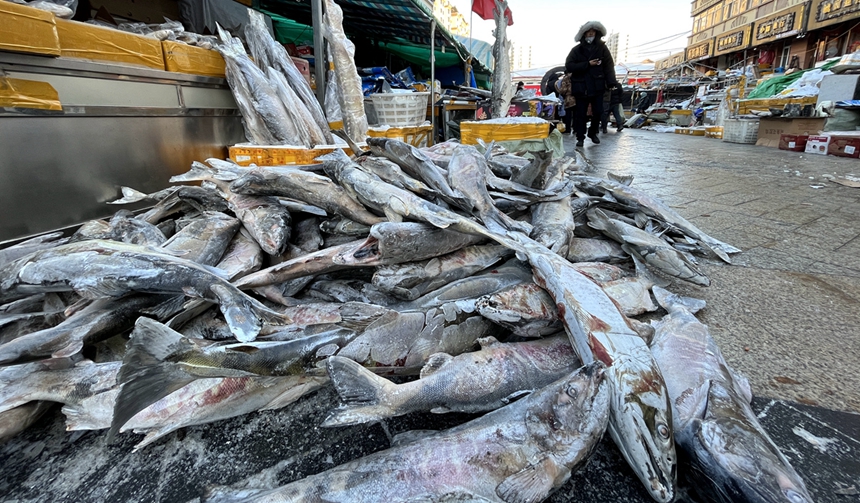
(677, 35)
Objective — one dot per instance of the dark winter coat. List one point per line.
(586, 79)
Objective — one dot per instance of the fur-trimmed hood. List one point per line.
(591, 25)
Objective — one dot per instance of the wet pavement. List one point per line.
(785, 313)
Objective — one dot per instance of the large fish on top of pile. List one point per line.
(263, 284)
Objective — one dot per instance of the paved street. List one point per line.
(787, 311)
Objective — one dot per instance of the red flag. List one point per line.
(484, 9)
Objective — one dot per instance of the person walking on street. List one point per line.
(612, 103)
(591, 71)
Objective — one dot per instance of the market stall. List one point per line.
(106, 108)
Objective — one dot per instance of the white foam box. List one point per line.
(817, 145)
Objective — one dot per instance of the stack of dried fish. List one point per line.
(277, 104)
(263, 284)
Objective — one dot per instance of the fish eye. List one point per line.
(663, 430)
(572, 392)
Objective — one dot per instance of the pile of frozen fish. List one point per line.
(507, 286)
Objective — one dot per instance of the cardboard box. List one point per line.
(25, 29)
(771, 128)
(184, 58)
(817, 145)
(87, 41)
(844, 146)
(793, 142)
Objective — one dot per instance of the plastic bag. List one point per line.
(63, 9)
(332, 106)
(842, 119)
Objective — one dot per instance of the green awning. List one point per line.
(288, 31)
(420, 55)
(391, 21)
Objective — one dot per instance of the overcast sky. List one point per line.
(550, 25)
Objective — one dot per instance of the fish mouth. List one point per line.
(365, 253)
(645, 460)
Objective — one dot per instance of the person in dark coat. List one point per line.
(592, 71)
(612, 104)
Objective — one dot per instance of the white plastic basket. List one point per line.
(400, 109)
(741, 130)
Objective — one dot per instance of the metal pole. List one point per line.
(433, 81)
(320, 60)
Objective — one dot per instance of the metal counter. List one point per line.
(120, 126)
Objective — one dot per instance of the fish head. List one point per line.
(574, 414)
(733, 457)
(254, 179)
(641, 425)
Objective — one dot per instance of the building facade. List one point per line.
(449, 17)
(771, 34)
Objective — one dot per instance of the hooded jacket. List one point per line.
(584, 78)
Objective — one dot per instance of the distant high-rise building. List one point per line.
(619, 46)
(612, 45)
(449, 17)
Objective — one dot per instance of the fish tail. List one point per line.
(361, 390)
(239, 312)
(144, 376)
(670, 301)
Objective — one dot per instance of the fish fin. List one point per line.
(488, 342)
(643, 272)
(102, 287)
(147, 387)
(516, 395)
(597, 219)
(532, 483)
(742, 385)
(70, 350)
(440, 410)
(625, 180)
(407, 437)
(227, 494)
(361, 391)
(198, 172)
(645, 331)
(434, 363)
(642, 221)
(166, 309)
(304, 385)
(153, 435)
(129, 195)
(238, 312)
(694, 401)
(670, 301)
(392, 216)
(146, 375)
(151, 343)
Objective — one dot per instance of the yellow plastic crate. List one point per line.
(245, 155)
(745, 106)
(417, 136)
(714, 132)
(472, 131)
